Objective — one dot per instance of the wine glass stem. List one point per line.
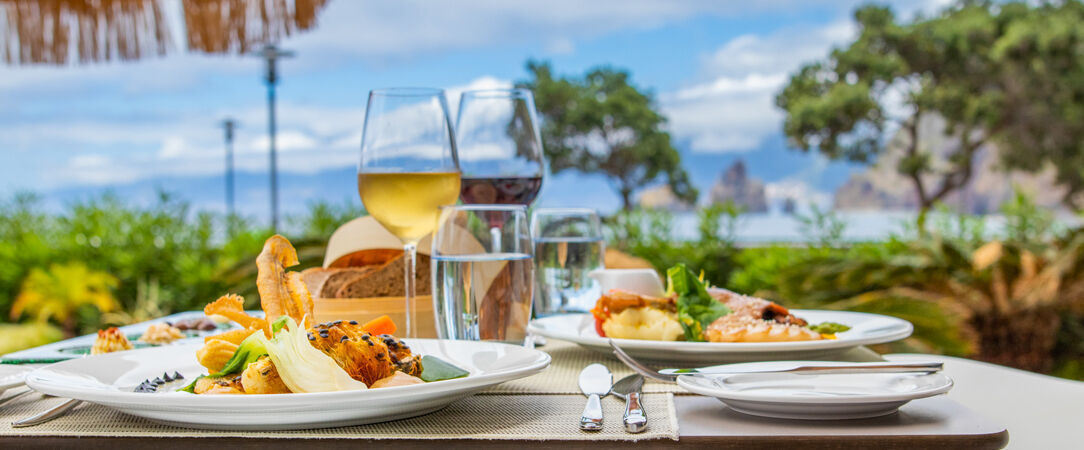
(411, 252)
(495, 235)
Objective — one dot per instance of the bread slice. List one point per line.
(385, 280)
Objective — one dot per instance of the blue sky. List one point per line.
(713, 67)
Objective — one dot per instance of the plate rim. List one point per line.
(40, 380)
(536, 326)
(946, 384)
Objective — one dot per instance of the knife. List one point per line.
(812, 368)
(595, 381)
(629, 389)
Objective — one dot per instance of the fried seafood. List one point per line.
(744, 328)
(261, 377)
(282, 293)
(757, 308)
(219, 385)
(215, 354)
(232, 306)
(365, 357)
(232, 336)
(161, 333)
(109, 341)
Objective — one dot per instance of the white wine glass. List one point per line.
(409, 169)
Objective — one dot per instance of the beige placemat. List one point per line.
(517, 417)
(569, 359)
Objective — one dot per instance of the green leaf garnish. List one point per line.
(696, 309)
(436, 369)
(191, 387)
(829, 328)
(278, 324)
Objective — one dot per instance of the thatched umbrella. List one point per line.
(87, 31)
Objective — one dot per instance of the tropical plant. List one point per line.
(649, 234)
(61, 291)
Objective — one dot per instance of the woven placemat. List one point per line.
(562, 376)
(513, 417)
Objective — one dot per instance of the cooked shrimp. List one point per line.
(261, 377)
(232, 306)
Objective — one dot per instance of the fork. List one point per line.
(46, 416)
(671, 375)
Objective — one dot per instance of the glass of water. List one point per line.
(482, 273)
(568, 246)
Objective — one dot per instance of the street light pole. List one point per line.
(271, 54)
(229, 125)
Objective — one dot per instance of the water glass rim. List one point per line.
(498, 93)
(407, 91)
(565, 211)
(485, 207)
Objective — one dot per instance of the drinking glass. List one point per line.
(408, 170)
(500, 147)
(481, 285)
(568, 246)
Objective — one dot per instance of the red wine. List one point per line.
(500, 190)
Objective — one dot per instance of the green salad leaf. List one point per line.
(829, 328)
(696, 309)
(436, 369)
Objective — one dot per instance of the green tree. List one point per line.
(602, 123)
(959, 66)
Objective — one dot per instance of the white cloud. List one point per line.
(733, 108)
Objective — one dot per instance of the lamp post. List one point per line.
(229, 125)
(271, 54)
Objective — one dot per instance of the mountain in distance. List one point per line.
(882, 187)
(736, 186)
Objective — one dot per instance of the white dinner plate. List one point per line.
(817, 397)
(110, 380)
(12, 376)
(865, 329)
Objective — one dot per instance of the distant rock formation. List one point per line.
(662, 197)
(883, 187)
(734, 185)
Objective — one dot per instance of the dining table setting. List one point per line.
(458, 314)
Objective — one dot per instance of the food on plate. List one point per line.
(366, 274)
(281, 292)
(692, 311)
(289, 355)
(110, 340)
(196, 323)
(161, 333)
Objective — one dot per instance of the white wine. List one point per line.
(408, 204)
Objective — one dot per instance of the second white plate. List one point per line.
(865, 329)
(817, 397)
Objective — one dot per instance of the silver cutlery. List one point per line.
(803, 368)
(595, 382)
(52, 413)
(629, 389)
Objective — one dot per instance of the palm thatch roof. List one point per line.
(60, 32)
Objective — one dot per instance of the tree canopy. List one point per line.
(988, 69)
(602, 123)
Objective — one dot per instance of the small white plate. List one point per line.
(865, 329)
(110, 379)
(12, 376)
(816, 397)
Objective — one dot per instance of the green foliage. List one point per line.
(602, 123)
(822, 227)
(1025, 221)
(648, 234)
(695, 308)
(163, 258)
(1010, 74)
(58, 293)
